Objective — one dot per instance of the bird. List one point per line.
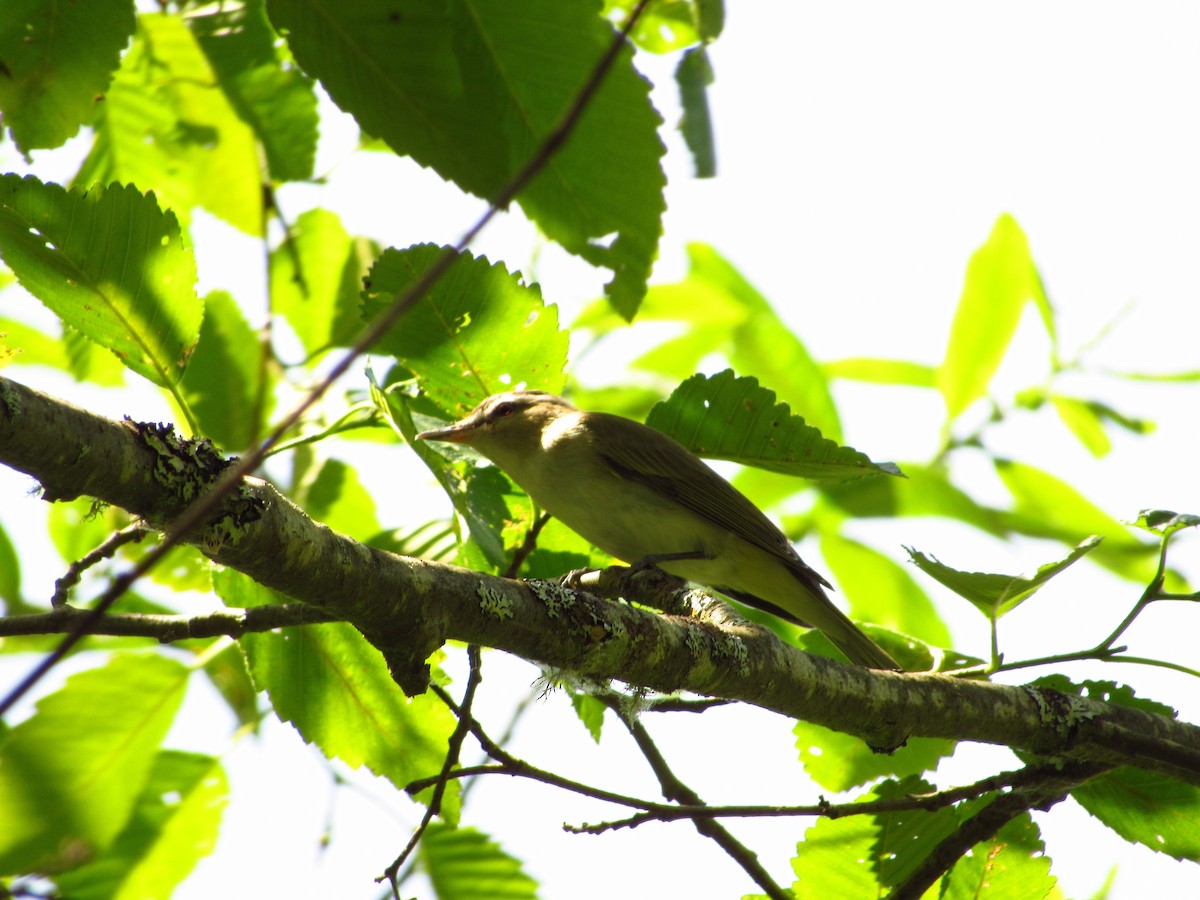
(644, 498)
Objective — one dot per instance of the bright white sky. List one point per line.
(864, 150)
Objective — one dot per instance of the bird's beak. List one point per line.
(458, 433)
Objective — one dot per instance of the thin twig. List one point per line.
(676, 790)
(131, 534)
(167, 629)
(453, 751)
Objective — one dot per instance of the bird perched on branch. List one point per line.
(644, 498)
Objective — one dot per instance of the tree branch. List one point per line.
(408, 608)
(167, 629)
(675, 790)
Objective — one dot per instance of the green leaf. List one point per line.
(472, 90)
(1085, 424)
(316, 279)
(336, 497)
(58, 58)
(1165, 522)
(1001, 278)
(174, 824)
(224, 379)
(1159, 812)
(109, 263)
(226, 670)
(724, 313)
(1046, 506)
(859, 856)
(880, 590)
(590, 712)
(995, 595)
(269, 94)
(10, 573)
(71, 773)
(694, 75)
(478, 331)
(906, 838)
(69, 351)
(925, 491)
(838, 761)
(166, 125)
(1106, 692)
(1010, 866)
(465, 864)
(882, 371)
(335, 688)
(664, 27)
(726, 417)
(835, 860)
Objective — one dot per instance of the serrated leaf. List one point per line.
(109, 263)
(316, 280)
(725, 314)
(1159, 812)
(833, 860)
(1010, 866)
(166, 125)
(471, 91)
(173, 826)
(906, 838)
(70, 774)
(731, 418)
(1001, 277)
(994, 594)
(335, 689)
(224, 382)
(58, 60)
(465, 864)
(859, 856)
(477, 331)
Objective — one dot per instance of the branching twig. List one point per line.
(131, 534)
(676, 790)
(453, 751)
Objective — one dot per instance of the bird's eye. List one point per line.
(503, 410)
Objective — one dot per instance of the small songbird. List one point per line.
(644, 498)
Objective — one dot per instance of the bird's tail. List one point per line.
(850, 639)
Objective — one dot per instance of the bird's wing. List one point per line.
(669, 468)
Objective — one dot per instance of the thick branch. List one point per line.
(409, 607)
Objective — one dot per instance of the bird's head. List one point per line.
(505, 424)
